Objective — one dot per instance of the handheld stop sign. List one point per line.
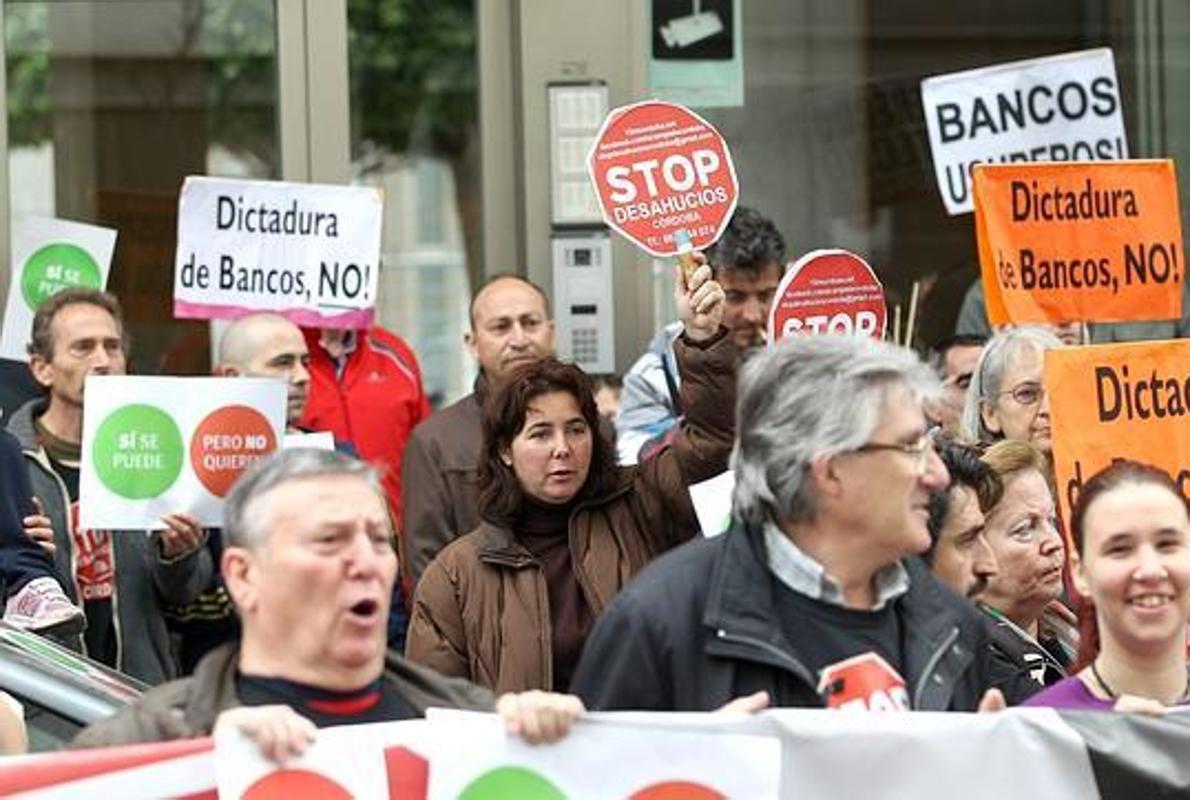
(828, 291)
(664, 177)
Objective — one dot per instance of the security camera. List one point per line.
(690, 29)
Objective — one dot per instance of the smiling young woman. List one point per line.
(1132, 565)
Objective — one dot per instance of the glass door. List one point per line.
(111, 103)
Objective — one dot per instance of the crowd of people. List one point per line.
(893, 545)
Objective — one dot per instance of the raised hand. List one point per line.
(700, 300)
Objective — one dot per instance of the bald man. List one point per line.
(268, 346)
(256, 346)
(510, 324)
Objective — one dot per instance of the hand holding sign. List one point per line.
(662, 173)
(182, 535)
(700, 301)
(280, 732)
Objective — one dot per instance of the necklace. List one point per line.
(1112, 694)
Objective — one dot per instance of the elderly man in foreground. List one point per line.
(811, 599)
(310, 565)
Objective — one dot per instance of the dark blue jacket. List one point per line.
(698, 627)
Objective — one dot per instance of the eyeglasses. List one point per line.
(1027, 394)
(919, 450)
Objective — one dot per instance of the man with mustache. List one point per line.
(959, 554)
(510, 324)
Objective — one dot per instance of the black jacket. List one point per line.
(697, 628)
(1021, 668)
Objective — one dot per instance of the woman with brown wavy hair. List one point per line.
(509, 605)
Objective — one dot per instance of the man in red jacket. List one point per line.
(365, 388)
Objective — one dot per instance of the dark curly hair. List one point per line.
(751, 242)
(501, 499)
(966, 469)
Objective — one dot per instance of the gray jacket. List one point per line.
(144, 580)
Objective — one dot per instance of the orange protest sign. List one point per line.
(1118, 401)
(1079, 242)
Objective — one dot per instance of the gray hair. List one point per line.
(243, 521)
(808, 397)
(988, 381)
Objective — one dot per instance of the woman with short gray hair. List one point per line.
(1007, 398)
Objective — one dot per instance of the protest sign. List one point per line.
(658, 169)
(1079, 242)
(308, 251)
(49, 255)
(828, 291)
(712, 502)
(1118, 401)
(376, 761)
(153, 446)
(1058, 108)
(617, 761)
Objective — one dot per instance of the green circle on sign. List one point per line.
(519, 782)
(138, 451)
(56, 267)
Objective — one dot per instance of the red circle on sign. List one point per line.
(677, 790)
(226, 443)
(828, 291)
(285, 784)
(659, 168)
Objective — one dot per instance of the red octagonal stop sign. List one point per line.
(828, 291)
(659, 168)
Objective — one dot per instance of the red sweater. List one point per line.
(376, 404)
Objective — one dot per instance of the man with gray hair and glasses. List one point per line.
(309, 562)
(811, 598)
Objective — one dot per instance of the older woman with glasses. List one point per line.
(1006, 398)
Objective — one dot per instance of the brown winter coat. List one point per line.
(481, 610)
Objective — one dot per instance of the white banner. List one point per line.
(49, 255)
(153, 446)
(791, 753)
(378, 760)
(600, 759)
(1058, 108)
(308, 251)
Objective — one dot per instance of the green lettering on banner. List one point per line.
(56, 267)
(138, 452)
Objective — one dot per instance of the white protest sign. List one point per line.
(321, 440)
(308, 251)
(1058, 108)
(712, 502)
(153, 446)
(630, 761)
(49, 255)
(375, 760)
